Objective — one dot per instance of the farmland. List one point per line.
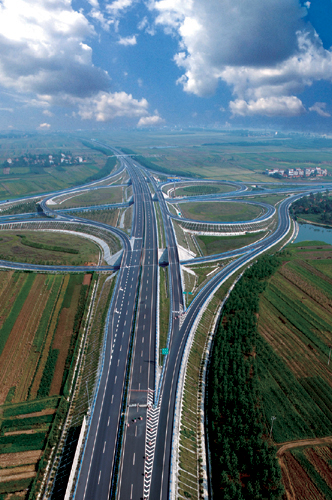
(41, 318)
(38, 247)
(295, 333)
(25, 181)
(220, 212)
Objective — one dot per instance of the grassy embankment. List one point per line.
(41, 325)
(220, 211)
(43, 247)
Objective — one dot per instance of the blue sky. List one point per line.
(97, 64)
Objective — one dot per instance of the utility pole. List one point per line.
(272, 419)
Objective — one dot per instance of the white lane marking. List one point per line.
(108, 422)
(118, 362)
(99, 477)
(140, 369)
(141, 354)
(104, 447)
(120, 348)
(125, 323)
(142, 340)
(111, 404)
(135, 431)
(115, 379)
(134, 459)
(122, 334)
(131, 492)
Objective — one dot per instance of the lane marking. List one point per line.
(115, 379)
(104, 447)
(99, 477)
(108, 423)
(111, 404)
(134, 459)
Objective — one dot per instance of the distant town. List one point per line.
(42, 160)
(296, 172)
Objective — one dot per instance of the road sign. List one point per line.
(190, 293)
(164, 350)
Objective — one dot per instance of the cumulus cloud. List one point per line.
(270, 106)
(150, 121)
(263, 50)
(127, 41)
(47, 113)
(106, 106)
(44, 126)
(319, 107)
(45, 61)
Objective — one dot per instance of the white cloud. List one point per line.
(270, 106)
(127, 41)
(148, 121)
(47, 113)
(106, 106)
(319, 107)
(97, 15)
(119, 5)
(94, 3)
(45, 61)
(44, 126)
(261, 49)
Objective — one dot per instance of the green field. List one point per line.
(43, 247)
(26, 181)
(200, 189)
(211, 245)
(220, 211)
(96, 197)
(226, 155)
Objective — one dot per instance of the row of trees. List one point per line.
(244, 464)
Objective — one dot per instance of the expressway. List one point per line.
(115, 461)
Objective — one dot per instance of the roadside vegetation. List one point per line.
(99, 196)
(244, 463)
(41, 324)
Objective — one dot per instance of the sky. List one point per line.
(100, 64)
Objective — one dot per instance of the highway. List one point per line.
(128, 451)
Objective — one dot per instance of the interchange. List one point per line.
(136, 282)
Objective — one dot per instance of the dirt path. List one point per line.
(302, 442)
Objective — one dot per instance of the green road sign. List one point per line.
(190, 293)
(164, 350)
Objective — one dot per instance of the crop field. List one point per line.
(220, 211)
(43, 247)
(211, 245)
(307, 472)
(95, 197)
(40, 320)
(295, 323)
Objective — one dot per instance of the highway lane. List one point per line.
(142, 377)
(100, 452)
